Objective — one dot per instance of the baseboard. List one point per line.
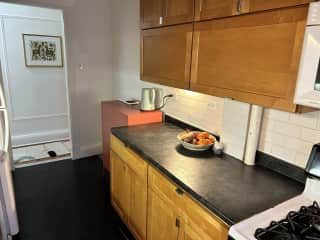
(90, 150)
(40, 137)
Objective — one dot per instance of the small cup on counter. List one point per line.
(218, 148)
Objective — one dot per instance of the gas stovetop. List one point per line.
(298, 225)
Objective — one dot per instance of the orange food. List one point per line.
(198, 138)
(202, 135)
(204, 142)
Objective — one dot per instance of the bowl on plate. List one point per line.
(195, 147)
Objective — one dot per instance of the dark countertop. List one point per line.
(224, 185)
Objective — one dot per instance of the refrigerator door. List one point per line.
(7, 197)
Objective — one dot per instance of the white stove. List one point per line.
(292, 219)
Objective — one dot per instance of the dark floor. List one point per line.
(65, 200)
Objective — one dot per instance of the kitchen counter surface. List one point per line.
(224, 185)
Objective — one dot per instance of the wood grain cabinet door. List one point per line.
(166, 55)
(137, 217)
(261, 5)
(178, 11)
(120, 186)
(209, 9)
(161, 219)
(150, 13)
(252, 58)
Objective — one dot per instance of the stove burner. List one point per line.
(301, 225)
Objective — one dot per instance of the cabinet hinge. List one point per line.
(177, 222)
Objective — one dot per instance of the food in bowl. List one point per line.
(197, 138)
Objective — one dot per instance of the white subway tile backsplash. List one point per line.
(276, 115)
(289, 136)
(308, 120)
(265, 146)
(197, 109)
(310, 135)
(273, 137)
(283, 153)
(287, 129)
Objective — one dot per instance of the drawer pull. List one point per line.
(179, 191)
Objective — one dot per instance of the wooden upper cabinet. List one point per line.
(166, 55)
(208, 9)
(253, 58)
(261, 5)
(150, 13)
(157, 13)
(178, 11)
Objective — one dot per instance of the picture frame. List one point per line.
(43, 50)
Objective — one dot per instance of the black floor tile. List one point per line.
(65, 200)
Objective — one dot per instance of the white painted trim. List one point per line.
(36, 138)
(90, 150)
(43, 162)
(40, 116)
(29, 18)
(25, 11)
(74, 150)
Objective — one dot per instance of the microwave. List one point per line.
(308, 84)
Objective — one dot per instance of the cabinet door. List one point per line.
(137, 219)
(161, 219)
(260, 5)
(150, 13)
(120, 186)
(178, 11)
(252, 58)
(192, 234)
(208, 9)
(166, 55)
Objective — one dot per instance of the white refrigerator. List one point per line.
(8, 212)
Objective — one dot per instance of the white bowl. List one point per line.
(192, 147)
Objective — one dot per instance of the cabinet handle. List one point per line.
(179, 191)
(161, 20)
(239, 5)
(177, 222)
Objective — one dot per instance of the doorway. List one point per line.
(34, 80)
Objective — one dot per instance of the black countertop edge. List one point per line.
(282, 167)
(183, 125)
(196, 196)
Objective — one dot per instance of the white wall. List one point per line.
(88, 43)
(36, 97)
(206, 112)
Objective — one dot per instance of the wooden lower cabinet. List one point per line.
(162, 218)
(129, 196)
(137, 217)
(120, 186)
(152, 206)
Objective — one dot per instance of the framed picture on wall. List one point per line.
(42, 50)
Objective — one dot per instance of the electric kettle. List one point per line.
(148, 99)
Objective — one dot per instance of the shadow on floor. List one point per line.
(66, 200)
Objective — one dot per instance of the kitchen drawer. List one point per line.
(164, 188)
(134, 162)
